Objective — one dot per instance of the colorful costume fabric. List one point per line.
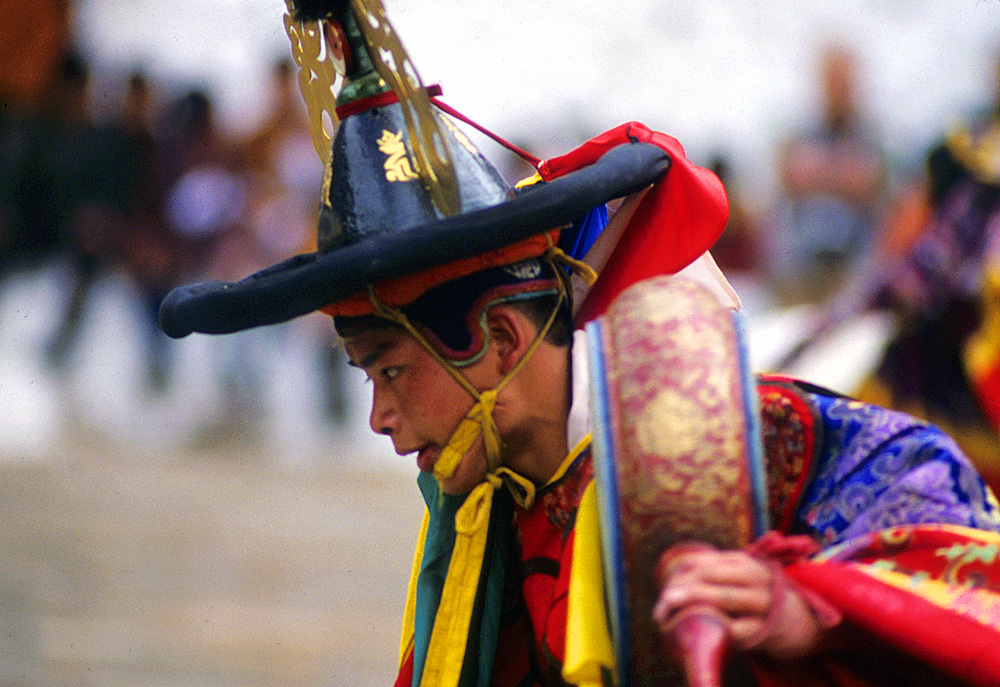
(944, 364)
(909, 537)
(497, 571)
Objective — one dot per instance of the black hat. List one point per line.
(406, 197)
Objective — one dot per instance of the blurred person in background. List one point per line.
(833, 177)
(71, 188)
(281, 172)
(78, 188)
(204, 207)
(151, 256)
(933, 266)
(205, 193)
(738, 252)
(939, 270)
(34, 37)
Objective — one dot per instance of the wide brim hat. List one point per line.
(382, 222)
(484, 237)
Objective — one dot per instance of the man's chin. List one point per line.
(470, 473)
(427, 458)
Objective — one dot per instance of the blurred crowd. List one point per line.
(848, 235)
(152, 191)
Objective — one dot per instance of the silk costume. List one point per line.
(853, 478)
(388, 234)
(507, 599)
(894, 507)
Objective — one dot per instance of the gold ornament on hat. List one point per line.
(433, 160)
(397, 164)
(320, 66)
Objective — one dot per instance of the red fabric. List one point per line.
(512, 663)
(680, 217)
(555, 632)
(546, 533)
(945, 636)
(782, 550)
(377, 100)
(789, 436)
(548, 556)
(987, 388)
(405, 676)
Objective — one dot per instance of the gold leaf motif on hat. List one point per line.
(319, 71)
(397, 163)
(432, 158)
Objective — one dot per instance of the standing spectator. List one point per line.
(79, 191)
(833, 177)
(738, 250)
(944, 364)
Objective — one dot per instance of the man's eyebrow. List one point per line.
(369, 359)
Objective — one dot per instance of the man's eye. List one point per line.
(390, 373)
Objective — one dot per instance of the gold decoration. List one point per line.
(978, 152)
(983, 348)
(433, 160)
(676, 438)
(324, 189)
(397, 164)
(318, 73)
(462, 139)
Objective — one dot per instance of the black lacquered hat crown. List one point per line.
(407, 199)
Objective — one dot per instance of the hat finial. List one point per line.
(323, 54)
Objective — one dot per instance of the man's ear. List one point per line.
(510, 332)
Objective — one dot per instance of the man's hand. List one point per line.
(761, 609)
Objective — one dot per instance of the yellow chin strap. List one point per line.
(479, 420)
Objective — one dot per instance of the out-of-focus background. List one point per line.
(213, 511)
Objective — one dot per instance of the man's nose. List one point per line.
(384, 417)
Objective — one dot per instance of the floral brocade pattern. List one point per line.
(879, 468)
(678, 428)
(562, 499)
(679, 431)
(950, 567)
(788, 432)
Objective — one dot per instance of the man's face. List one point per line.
(416, 402)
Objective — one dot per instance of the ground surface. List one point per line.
(224, 529)
(207, 569)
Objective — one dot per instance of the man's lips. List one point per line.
(427, 457)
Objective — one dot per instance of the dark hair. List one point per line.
(539, 309)
(353, 325)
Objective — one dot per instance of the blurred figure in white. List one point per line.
(833, 179)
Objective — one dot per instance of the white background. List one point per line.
(721, 75)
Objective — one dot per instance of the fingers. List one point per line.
(746, 631)
(759, 608)
(720, 567)
(730, 581)
(731, 600)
